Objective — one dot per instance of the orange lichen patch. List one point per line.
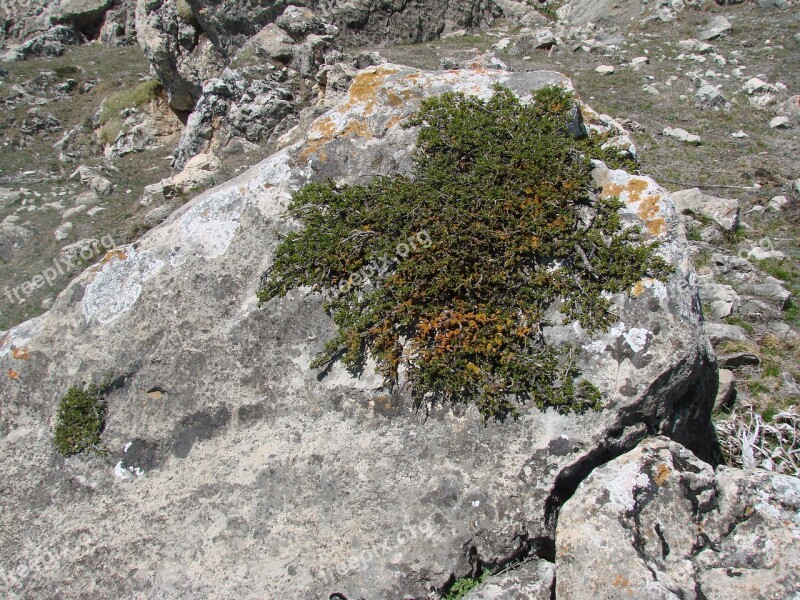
(641, 286)
(662, 473)
(393, 99)
(13, 375)
(612, 190)
(364, 89)
(358, 129)
(656, 227)
(635, 188)
(119, 253)
(649, 208)
(650, 205)
(630, 192)
(590, 116)
(621, 582)
(316, 147)
(155, 395)
(21, 354)
(394, 121)
(324, 129)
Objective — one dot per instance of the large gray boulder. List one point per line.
(83, 15)
(190, 41)
(659, 523)
(110, 21)
(616, 14)
(235, 470)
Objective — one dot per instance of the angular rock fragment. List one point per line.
(659, 523)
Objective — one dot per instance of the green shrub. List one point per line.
(464, 586)
(80, 420)
(449, 272)
(65, 71)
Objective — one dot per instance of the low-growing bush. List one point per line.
(80, 420)
(502, 195)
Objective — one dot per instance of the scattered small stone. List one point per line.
(502, 44)
(716, 27)
(695, 46)
(709, 97)
(755, 85)
(780, 123)
(778, 203)
(73, 211)
(739, 359)
(722, 332)
(723, 211)
(721, 298)
(781, 330)
(639, 62)
(759, 253)
(63, 231)
(726, 389)
(682, 135)
(604, 70)
(740, 134)
(543, 39)
(774, 292)
(92, 212)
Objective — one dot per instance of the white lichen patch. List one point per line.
(208, 228)
(622, 483)
(118, 284)
(123, 472)
(637, 338)
(19, 336)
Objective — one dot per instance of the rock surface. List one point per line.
(723, 211)
(228, 456)
(533, 580)
(659, 523)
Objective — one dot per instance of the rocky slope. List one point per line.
(235, 470)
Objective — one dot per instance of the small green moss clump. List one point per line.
(464, 586)
(447, 275)
(110, 120)
(80, 420)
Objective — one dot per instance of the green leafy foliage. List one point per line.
(80, 420)
(502, 196)
(464, 586)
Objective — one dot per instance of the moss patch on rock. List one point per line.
(80, 420)
(445, 276)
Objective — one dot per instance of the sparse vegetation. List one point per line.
(80, 420)
(463, 586)
(110, 119)
(504, 194)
